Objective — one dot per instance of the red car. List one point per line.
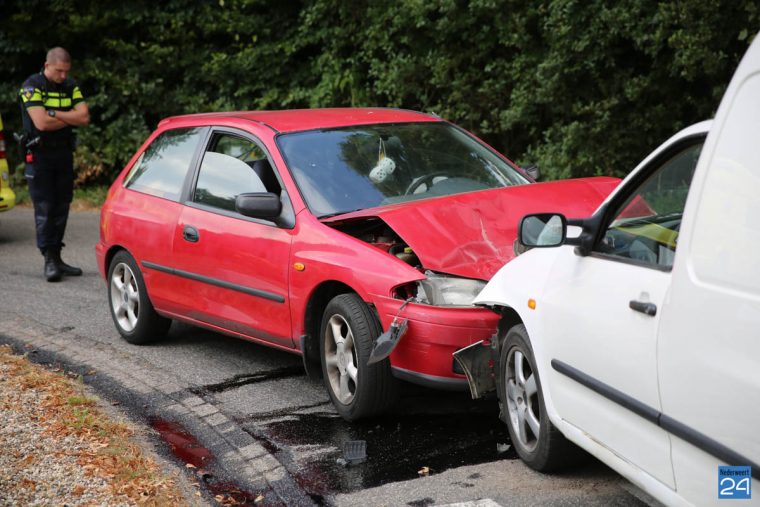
(338, 234)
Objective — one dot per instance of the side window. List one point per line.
(645, 227)
(232, 166)
(162, 167)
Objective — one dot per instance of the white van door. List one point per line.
(604, 344)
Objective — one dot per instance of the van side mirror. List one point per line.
(259, 205)
(543, 230)
(533, 171)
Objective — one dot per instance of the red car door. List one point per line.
(231, 270)
(144, 224)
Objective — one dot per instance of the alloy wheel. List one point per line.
(125, 297)
(340, 359)
(522, 399)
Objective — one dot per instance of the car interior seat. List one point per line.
(265, 172)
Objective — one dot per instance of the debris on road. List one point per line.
(355, 452)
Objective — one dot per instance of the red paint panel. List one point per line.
(472, 234)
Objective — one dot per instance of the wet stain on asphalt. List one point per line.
(242, 380)
(183, 445)
(397, 447)
(187, 449)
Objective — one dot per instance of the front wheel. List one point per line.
(537, 441)
(131, 309)
(347, 335)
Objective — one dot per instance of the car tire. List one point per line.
(348, 332)
(535, 439)
(131, 309)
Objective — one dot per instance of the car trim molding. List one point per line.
(277, 298)
(431, 381)
(656, 417)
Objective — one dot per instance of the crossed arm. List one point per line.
(79, 116)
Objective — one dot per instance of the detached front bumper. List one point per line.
(424, 355)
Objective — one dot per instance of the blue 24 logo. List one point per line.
(735, 482)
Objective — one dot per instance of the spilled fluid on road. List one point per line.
(398, 447)
(187, 449)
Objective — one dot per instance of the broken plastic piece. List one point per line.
(387, 341)
(355, 452)
(477, 363)
(502, 448)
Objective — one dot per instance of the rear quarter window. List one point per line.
(163, 166)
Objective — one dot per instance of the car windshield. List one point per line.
(352, 168)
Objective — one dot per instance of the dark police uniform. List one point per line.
(51, 171)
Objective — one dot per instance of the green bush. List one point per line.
(579, 87)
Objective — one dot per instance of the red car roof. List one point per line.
(306, 119)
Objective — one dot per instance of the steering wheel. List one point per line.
(426, 180)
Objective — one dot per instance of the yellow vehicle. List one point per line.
(7, 197)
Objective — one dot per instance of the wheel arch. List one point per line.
(509, 319)
(312, 319)
(110, 253)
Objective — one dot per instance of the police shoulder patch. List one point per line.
(28, 92)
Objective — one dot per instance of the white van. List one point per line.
(638, 339)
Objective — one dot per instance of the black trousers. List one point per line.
(51, 186)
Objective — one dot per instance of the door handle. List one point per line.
(190, 234)
(645, 308)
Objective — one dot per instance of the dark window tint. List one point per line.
(162, 167)
(227, 170)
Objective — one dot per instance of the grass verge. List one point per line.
(109, 451)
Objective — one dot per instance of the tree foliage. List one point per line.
(579, 87)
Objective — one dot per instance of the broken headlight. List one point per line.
(442, 290)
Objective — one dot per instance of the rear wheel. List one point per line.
(537, 441)
(349, 330)
(131, 309)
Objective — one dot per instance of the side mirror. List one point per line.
(533, 171)
(259, 205)
(543, 230)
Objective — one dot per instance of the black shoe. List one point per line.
(65, 268)
(52, 270)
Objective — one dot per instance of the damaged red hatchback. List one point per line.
(355, 237)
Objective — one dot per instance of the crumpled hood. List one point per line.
(472, 234)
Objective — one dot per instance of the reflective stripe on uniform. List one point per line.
(56, 103)
(31, 96)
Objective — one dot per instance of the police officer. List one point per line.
(51, 106)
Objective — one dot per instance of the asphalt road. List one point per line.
(249, 419)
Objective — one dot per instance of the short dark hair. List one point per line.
(58, 54)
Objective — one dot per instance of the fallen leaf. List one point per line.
(190, 465)
(259, 499)
(423, 471)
